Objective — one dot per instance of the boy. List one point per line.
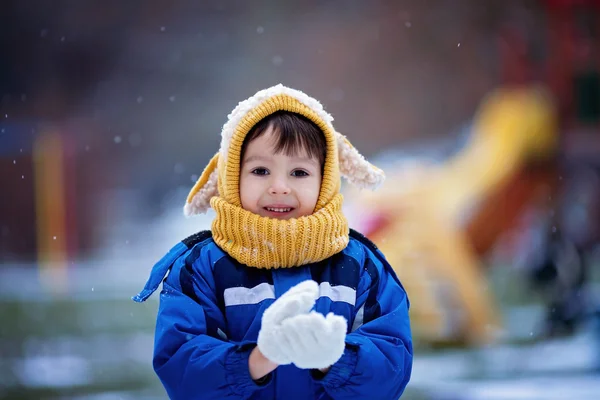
(280, 300)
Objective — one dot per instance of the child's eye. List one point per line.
(260, 171)
(299, 173)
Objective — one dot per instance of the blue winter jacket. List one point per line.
(210, 314)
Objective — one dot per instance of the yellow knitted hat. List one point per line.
(221, 175)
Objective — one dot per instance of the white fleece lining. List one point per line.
(355, 168)
(239, 296)
(201, 201)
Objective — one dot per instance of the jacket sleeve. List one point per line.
(377, 362)
(192, 356)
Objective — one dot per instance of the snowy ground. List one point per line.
(95, 344)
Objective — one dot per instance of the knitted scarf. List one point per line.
(264, 242)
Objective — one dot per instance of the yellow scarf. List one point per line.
(264, 242)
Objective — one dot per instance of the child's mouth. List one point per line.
(279, 210)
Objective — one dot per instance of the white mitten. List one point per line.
(299, 300)
(315, 341)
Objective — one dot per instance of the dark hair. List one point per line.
(295, 132)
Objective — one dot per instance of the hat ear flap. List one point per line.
(355, 168)
(198, 201)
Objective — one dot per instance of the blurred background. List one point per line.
(484, 114)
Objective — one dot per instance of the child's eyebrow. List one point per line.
(266, 159)
(311, 160)
(256, 158)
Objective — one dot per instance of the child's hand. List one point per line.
(315, 341)
(299, 300)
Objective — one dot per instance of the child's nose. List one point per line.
(279, 186)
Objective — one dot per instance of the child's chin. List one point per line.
(281, 216)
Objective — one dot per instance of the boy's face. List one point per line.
(278, 185)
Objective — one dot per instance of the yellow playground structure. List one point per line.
(435, 222)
